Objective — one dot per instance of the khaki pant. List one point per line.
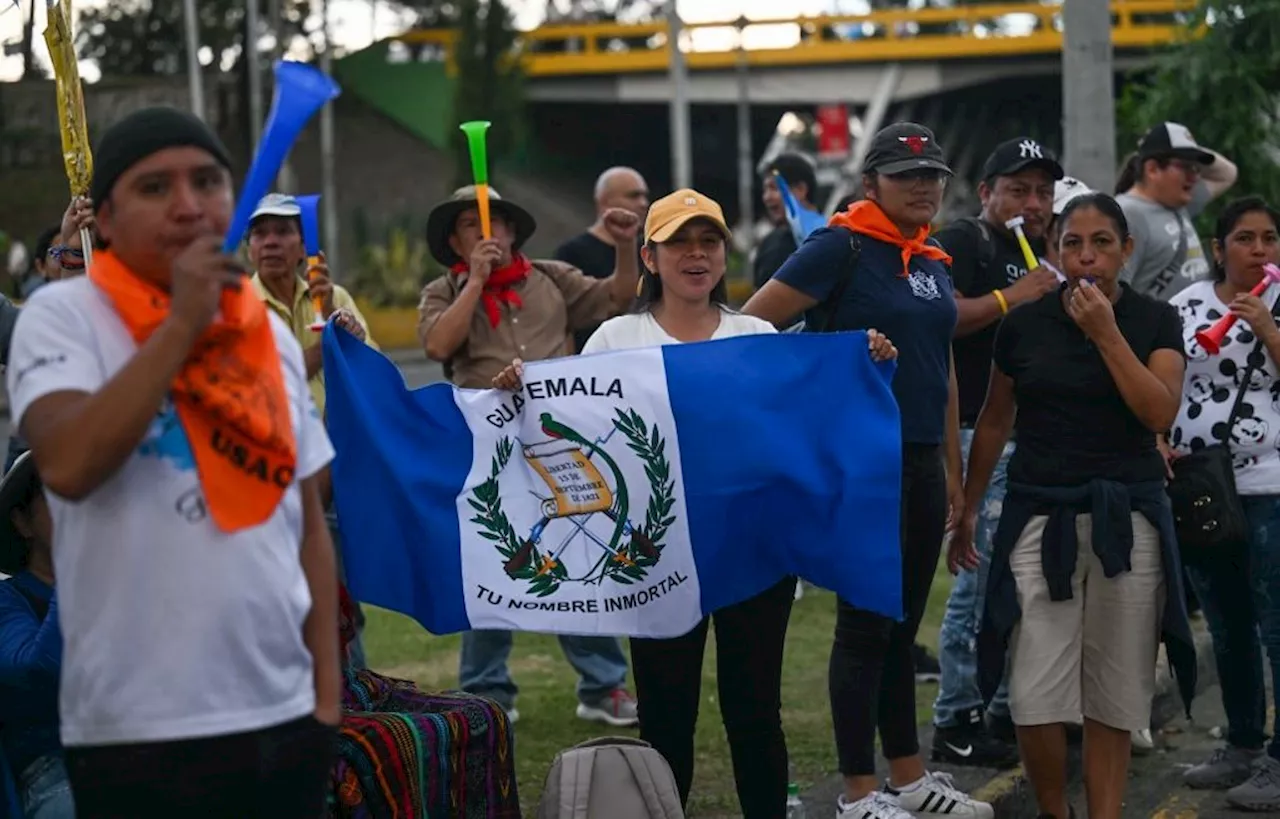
(1095, 654)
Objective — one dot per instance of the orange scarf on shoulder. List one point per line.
(229, 395)
(865, 217)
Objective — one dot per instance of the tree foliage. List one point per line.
(489, 81)
(1224, 85)
(148, 37)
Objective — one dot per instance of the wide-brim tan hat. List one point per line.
(443, 217)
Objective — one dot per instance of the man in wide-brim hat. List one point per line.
(496, 305)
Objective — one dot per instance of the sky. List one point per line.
(354, 26)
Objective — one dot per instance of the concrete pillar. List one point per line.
(1088, 93)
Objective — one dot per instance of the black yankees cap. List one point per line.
(1020, 153)
(903, 147)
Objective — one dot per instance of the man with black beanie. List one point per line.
(171, 421)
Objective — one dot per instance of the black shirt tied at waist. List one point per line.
(1111, 504)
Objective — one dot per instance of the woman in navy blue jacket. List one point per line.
(875, 266)
(30, 649)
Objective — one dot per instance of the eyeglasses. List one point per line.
(71, 258)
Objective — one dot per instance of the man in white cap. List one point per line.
(282, 280)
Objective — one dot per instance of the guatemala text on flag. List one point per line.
(627, 493)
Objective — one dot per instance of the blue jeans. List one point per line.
(1239, 598)
(45, 789)
(957, 642)
(355, 651)
(599, 661)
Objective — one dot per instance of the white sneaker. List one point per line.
(1142, 742)
(936, 795)
(875, 805)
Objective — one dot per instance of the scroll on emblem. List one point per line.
(577, 487)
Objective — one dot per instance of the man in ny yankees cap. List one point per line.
(990, 276)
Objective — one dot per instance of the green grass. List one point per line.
(397, 646)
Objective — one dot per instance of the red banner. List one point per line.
(833, 130)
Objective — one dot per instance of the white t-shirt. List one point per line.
(642, 330)
(1212, 383)
(172, 628)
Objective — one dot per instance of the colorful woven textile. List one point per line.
(406, 754)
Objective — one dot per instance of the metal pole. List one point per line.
(285, 180)
(253, 65)
(328, 186)
(194, 76)
(746, 173)
(681, 161)
(1088, 93)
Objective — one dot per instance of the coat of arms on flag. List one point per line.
(591, 527)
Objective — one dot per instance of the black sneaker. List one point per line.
(1001, 727)
(969, 743)
(927, 668)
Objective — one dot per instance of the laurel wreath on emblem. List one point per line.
(524, 560)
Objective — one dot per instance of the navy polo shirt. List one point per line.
(917, 312)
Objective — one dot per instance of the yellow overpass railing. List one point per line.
(963, 32)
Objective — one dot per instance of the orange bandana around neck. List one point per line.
(865, 217)
(229, 395)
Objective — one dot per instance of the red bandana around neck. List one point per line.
(865, 217)
(499, 287)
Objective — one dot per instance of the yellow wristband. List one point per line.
(1000, 300)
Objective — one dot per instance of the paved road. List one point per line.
(1155, 785)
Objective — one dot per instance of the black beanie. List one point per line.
(143, 133)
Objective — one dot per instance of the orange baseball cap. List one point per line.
(672, 211)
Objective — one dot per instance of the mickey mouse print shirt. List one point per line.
(1210, 388)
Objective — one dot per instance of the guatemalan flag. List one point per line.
(626, 493)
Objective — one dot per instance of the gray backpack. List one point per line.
(610, 778)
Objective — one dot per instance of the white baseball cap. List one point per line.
(276, 204)
(1066, 189)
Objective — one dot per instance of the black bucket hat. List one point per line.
(16, 489)
(443, 217)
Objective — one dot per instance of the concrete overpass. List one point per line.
(598, 93)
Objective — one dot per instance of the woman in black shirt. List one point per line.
(1084, 558)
